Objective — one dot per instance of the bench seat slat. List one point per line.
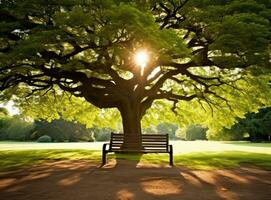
(159, 140)
(142, 151)
(143, 139)
(143, 136)
(145, 143)
(144, 147)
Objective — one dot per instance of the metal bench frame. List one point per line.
(151, 143)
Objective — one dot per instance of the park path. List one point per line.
(127, 180)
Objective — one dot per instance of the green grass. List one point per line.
(180, 147)
(13, 160)
(196, 155)
(228, 159)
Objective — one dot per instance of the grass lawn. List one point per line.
(197, 154)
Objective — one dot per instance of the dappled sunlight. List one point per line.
(125, 194)
(234, 177)
(6, 182)
(70, 180)
(252, 169)
(71, 164)
(149, 165)
(111, 163)
(191, 179)
(142, 164)
(226, 194)
(34, 176)
(161, 187)
(128, 181)
(15, 188)
(201, 176)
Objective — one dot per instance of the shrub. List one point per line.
(195, 132)
(103, 134)
(228, 135)
(15, 129)
(168, 128)
(61, 130)
(44, 138)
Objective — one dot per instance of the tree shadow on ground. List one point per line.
(122, 161)
(126, 179)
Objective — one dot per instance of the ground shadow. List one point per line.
(82, 180)
(121, 160)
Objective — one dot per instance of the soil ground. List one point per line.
(127, 180)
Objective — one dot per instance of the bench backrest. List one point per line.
(150, 142)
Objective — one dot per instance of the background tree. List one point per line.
(15, 128)
(63, 131)
(168, 128)
(195, 132)
(256, 124)
(207, 52)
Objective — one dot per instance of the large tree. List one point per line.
(196, 50)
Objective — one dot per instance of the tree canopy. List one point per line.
(215, 54)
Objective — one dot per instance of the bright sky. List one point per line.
(10, 107)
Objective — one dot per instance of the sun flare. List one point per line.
(141, 59)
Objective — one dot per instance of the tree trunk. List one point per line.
(131, 121)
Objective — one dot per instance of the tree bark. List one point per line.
(131, 121)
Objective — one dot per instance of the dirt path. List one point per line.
(81, 180)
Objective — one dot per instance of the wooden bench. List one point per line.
(151, 143)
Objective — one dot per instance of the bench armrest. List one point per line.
(104, 153)
(104, 146)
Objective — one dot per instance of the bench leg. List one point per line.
(171, 155)
(104, 155)
(104, 158)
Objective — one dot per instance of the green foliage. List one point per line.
(250, 95)
(44, 138)
(63, 131)
(86, 48)
(168, 128)
(102, 134)
(249, 27)
(60, 130)
(162, 128)
(3, 112)
(195, 132)
(225, 135)
(16, 129)
(256, 124)
(69, 108)
(151, 129)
